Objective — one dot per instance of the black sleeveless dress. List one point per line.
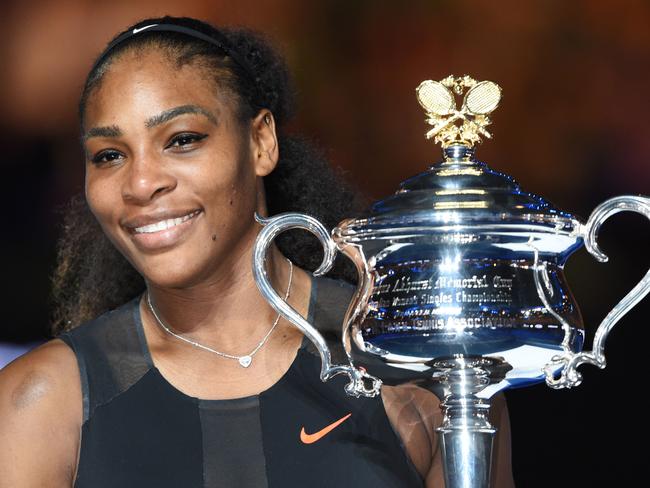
(140, 431)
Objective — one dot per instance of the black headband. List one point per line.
(216, 39)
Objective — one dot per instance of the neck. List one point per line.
(227, 312)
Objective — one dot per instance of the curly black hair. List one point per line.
(91, 276)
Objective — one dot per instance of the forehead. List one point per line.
(150, 80)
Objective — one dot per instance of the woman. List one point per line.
(196, 381)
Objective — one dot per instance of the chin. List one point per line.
(168, 269)
(193, 262)
(179, 270)
(179, 277)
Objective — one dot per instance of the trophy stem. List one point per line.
(466, 435)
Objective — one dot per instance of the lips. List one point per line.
(160, 230)
(164, 224)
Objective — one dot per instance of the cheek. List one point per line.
(230, 191)
(101, 199)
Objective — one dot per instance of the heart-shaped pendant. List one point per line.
(245, 361)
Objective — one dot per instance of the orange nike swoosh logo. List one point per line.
(311, 438)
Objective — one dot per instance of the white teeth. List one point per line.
(164, 224)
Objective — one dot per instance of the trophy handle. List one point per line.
(361, 383)
(569, 362)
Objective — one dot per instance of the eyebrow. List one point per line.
(109, 131)
(163, 117)
(151, 122)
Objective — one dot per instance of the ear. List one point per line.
(264, 143)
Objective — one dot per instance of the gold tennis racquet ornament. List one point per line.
(461, 283)
(453, 126)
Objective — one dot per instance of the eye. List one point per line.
(106, 157)
(185, 141)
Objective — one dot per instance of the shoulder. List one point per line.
(47, 373)
(330, 299)
(106, 340)
(329, 291)
(102, 325)
(50, 360)
(40, 407)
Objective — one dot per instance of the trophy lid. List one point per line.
(459, 193)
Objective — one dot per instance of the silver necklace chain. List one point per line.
(245, 360)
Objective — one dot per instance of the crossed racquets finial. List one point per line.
(453, 126)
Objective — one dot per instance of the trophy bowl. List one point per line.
(461, 283)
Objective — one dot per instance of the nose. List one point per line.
(146, 179)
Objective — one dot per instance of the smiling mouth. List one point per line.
(165, 224)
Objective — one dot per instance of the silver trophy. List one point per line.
(461, 284)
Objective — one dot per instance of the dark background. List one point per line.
(572, 126)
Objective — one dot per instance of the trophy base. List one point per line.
(466, 435)
(468, 457)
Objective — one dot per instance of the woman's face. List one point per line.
(171, 174)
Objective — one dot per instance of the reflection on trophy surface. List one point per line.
(461, 283)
